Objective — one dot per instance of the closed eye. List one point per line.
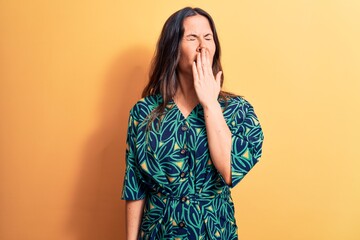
(208, 36)
(191, 37)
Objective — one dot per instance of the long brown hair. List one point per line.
(163, 73)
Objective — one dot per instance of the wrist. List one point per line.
(211, 105)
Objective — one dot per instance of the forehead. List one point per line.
(197, 24)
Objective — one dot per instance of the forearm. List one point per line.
(134, 211)
(219, 140)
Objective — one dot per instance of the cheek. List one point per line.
(212, 49)
(187, 53)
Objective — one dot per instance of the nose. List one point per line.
(201, 46)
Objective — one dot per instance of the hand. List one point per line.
(207, 86)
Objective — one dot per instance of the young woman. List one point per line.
(188, 142)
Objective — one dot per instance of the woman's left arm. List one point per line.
(207, 88)
(234, 149)
(219, 140)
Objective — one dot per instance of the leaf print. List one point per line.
(170, 166)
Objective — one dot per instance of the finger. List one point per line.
(199, 67)
(208, 58)
(202, 64)
(204, 61)
(203, 56)
(195, 73)
(208, 69)
(218, 78)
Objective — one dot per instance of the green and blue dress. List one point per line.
(170, 166)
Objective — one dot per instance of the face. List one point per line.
(197, 35)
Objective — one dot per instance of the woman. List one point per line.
(188, 142)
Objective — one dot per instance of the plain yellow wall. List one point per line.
(71, 70)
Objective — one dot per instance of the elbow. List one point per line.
(228, 183)
(227, 176)
(227, 179)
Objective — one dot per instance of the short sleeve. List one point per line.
(247, 138)
(133, 187)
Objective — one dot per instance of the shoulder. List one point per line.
(143, 107)
(237, 110)
(235, 104)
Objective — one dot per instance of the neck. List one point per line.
(186, 91)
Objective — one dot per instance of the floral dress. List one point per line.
(170, 166)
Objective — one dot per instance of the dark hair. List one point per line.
(163, 73)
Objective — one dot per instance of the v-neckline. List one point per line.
(181, 112)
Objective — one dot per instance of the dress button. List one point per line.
(182, 174)
(181, 224)
(183, 199)
(184, 128)
(183, 151)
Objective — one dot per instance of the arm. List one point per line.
(134, 211)
(134, 190)
(219, 140)
(234, 149)
(207, 88)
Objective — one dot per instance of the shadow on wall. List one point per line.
(97, 211)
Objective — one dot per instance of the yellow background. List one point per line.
(71, 70)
